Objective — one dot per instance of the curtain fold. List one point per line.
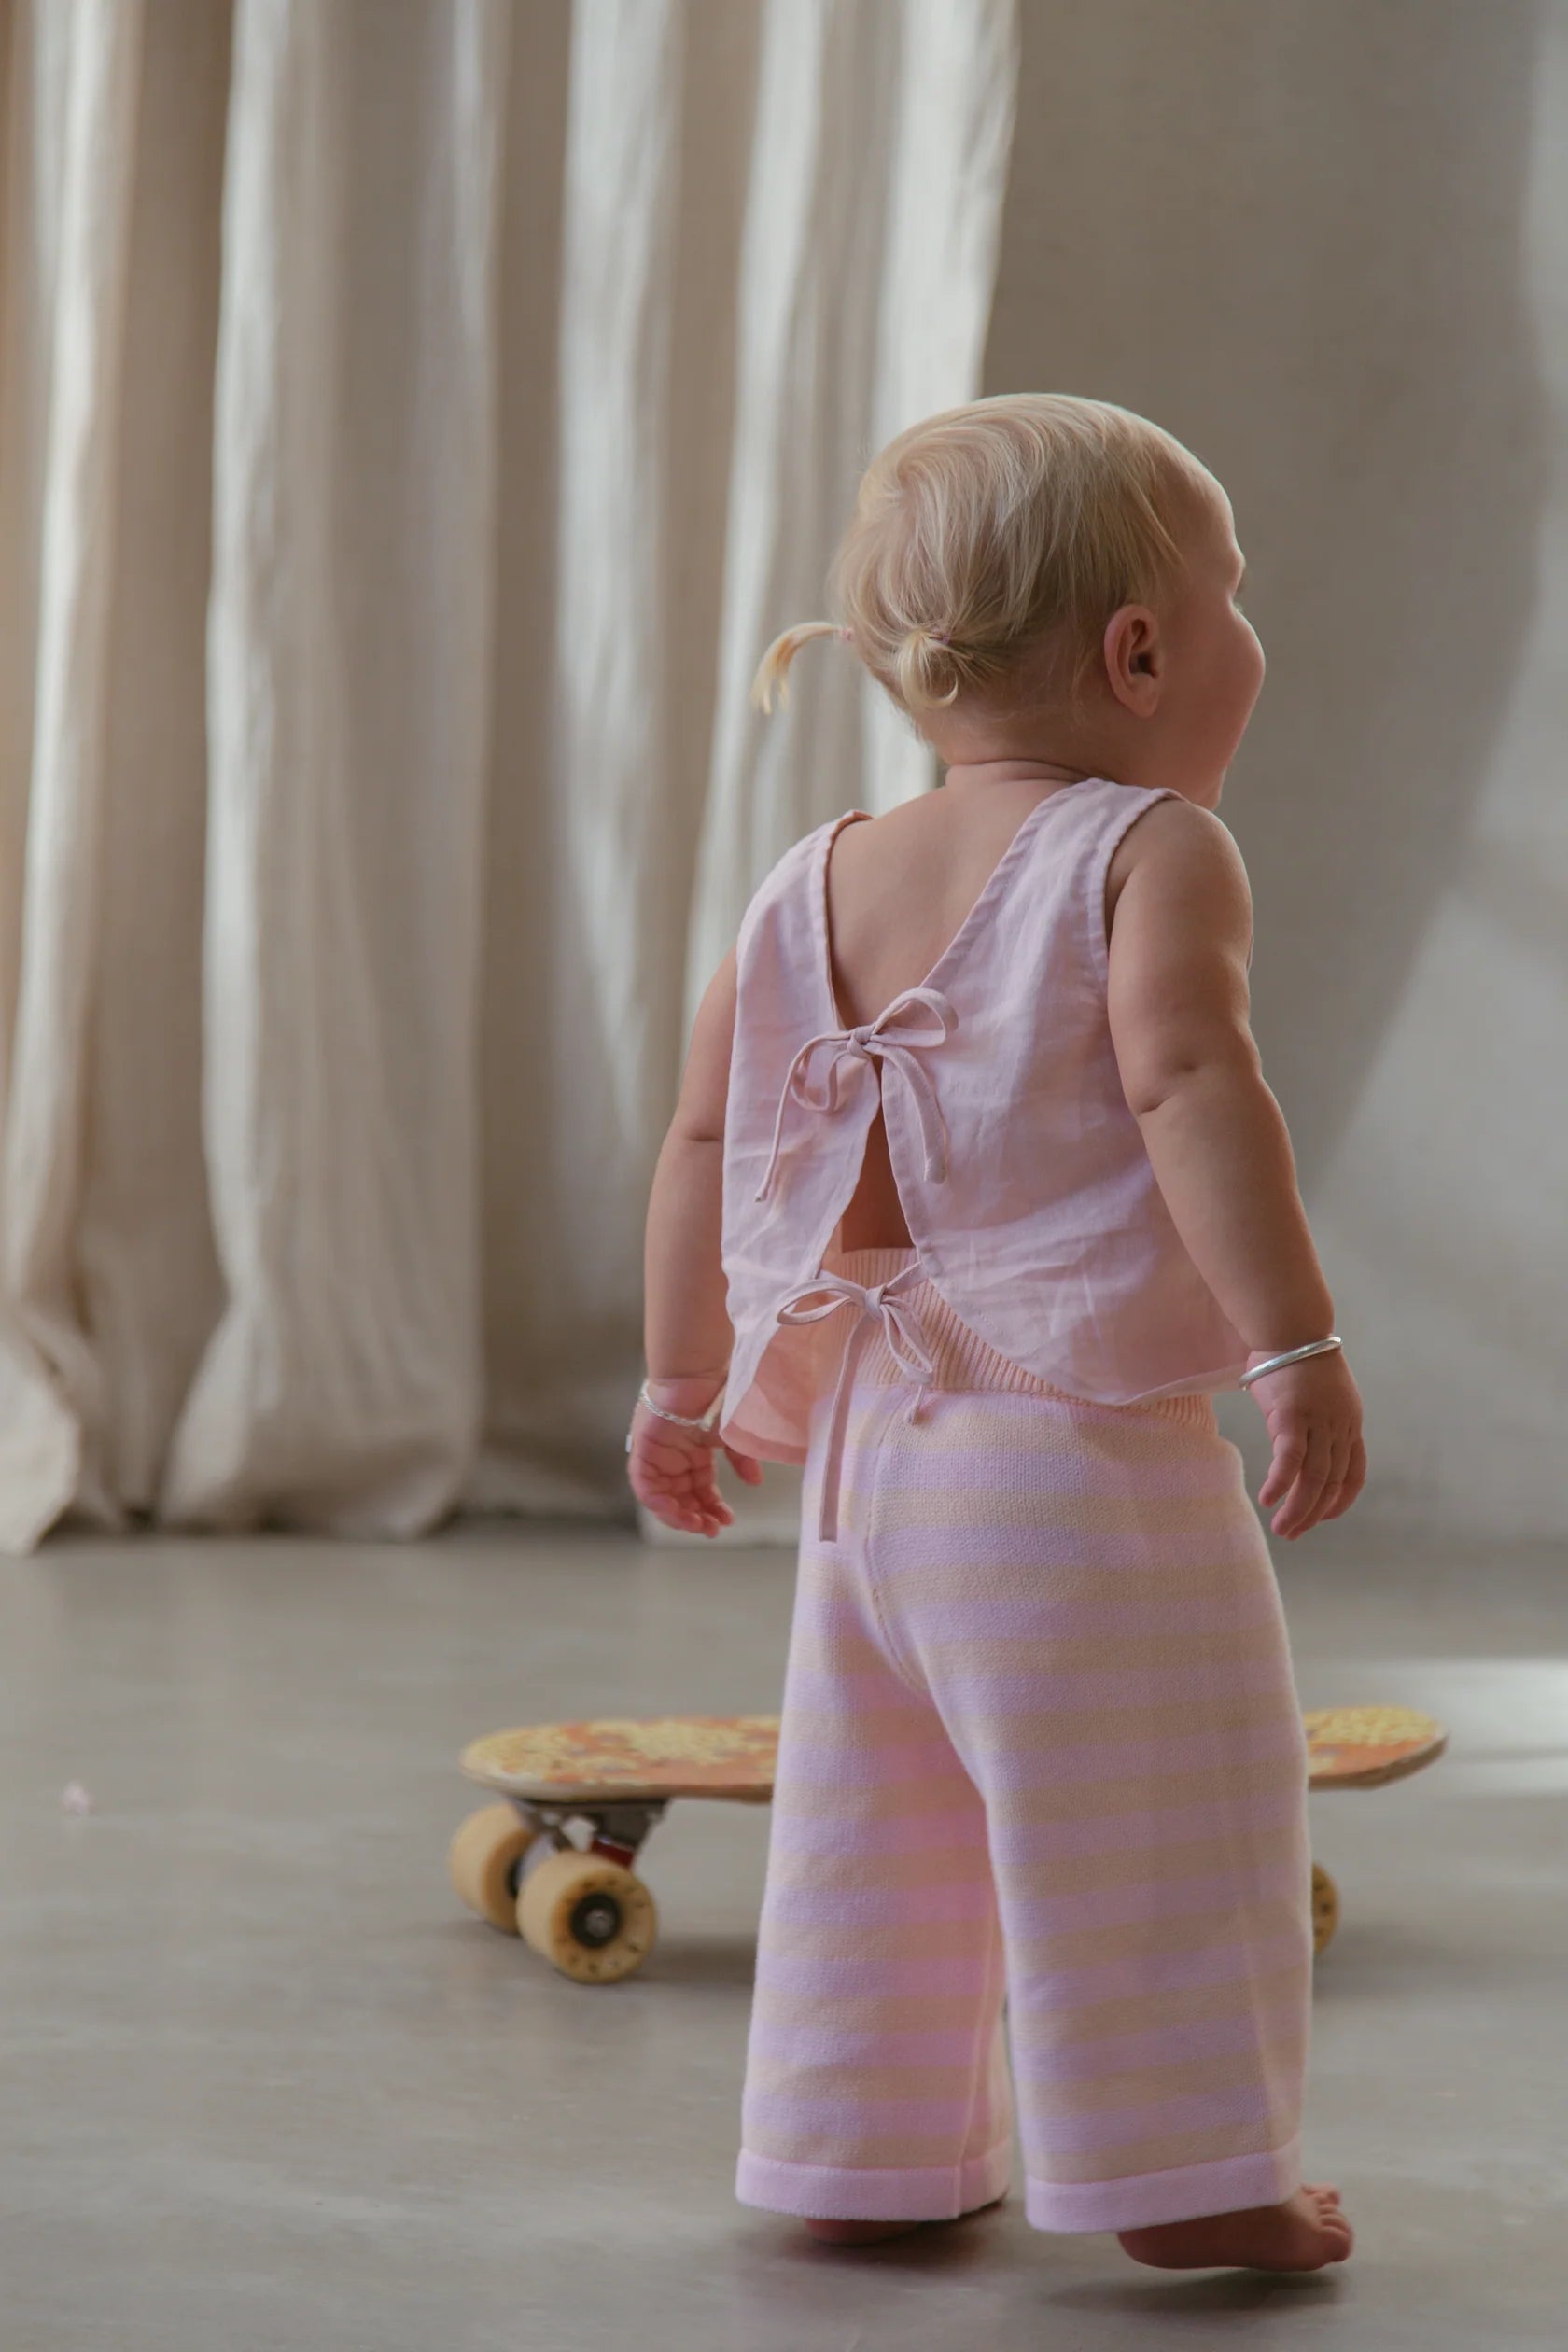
(948, 180)
(389, 535)
(607, 1072)
(81, 72)
(348, 655)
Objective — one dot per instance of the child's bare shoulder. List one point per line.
(1180, 853)
(1178, 949)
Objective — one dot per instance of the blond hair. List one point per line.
(1019, 522)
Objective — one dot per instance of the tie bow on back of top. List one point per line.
(897, 1038)
(1026, 1193)
(880, 1307)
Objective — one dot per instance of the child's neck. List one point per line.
(971, 776)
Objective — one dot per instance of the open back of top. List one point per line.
(1022, 1173)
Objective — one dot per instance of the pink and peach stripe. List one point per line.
(1041, 1752)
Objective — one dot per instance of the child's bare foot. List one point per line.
(1305, 2233)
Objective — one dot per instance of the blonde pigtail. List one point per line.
(925, 665)
(774, 668)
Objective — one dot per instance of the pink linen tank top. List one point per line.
(1029, 1196)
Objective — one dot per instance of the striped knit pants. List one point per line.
(1041, 1746)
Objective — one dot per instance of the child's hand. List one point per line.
(672, 1472)
(1313, 1411)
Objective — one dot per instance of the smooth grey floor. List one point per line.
(264, 2084)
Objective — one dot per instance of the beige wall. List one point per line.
(1325, 244)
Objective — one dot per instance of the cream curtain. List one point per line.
(415, 417)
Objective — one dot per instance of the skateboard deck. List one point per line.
(584, 1908)
(1364, 1747)
(733, 1757)
(616, 1762)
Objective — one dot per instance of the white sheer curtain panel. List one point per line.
(348, 661)
(415, 417)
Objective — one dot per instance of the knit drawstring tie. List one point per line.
(899, 1041)
(880, 1308)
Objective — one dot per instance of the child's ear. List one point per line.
(1134, 659)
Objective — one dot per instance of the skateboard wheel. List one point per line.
(1325, 1909)
(486, 1862)
(594, 1919)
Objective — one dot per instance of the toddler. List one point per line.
(973, 1197)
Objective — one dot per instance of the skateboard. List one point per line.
(1362, 1747)
(584, 1907)
(581, 1905)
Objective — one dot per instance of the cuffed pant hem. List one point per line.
(832, 2193)
(1144, 2200)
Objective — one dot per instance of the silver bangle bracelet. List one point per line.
(686, 1420)
(1292, 1356)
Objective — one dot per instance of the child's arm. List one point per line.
(686, 1327)
(1218, 1144)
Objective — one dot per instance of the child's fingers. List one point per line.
(678, 1482)
(658, 1483)
(1290, 1453)
(1308, 1476)
(1329, 1503)
(690, 1521)
(744, 1466)
(679, 1516)
(1356, 1478)
(1322, 1465)
(707, 1494)
(677, 1485)
(1294, 1514)
(1348, 1485)
(716, 1512)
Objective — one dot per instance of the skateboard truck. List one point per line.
(518, 1863)
(581, 1906)
(617, 1830)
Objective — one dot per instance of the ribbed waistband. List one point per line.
(965, 1362)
